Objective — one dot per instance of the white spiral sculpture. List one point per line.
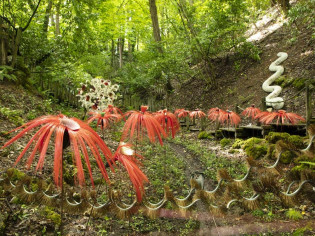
(272, 99)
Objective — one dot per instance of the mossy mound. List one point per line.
(255, 147)
(287, 157)
(238, 143)
(271, 151)
(304, 163)
(15, 174)
(204, 135)
(295, 141)
(50, 214)
(225, 142)
(274, 137)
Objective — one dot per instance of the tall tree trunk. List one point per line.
(46, 19)
(120, 49)
(155, 25)
(52, 20)
(130, 49)
(113, 53)
(16, 44)
(3, 43)
(57, 29)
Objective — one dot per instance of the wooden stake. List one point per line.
(308, 105)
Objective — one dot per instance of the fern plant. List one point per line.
(6, 73)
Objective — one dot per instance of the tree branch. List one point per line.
(8, 21)
(31, 18)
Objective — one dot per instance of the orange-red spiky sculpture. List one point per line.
(168, 121)
(251, 112)
(181, 113)
(126, 156)
(214, 114)
(142, 123)
(68, 131)
(196, 114)
(282, 116)
(230, 117)
(114, 110)
(103, 118)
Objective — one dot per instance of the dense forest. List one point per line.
(124, 97)
(141, 45)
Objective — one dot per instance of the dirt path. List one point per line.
(193, 162)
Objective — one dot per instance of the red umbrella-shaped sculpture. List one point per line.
(67, 131)
(230, 118)
(196, 114)
(214, 113)
(251, 112)
(142, 123)
(168, 121)
(282, 117)
(103, 118)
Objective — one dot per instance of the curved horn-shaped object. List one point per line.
(309, 145)
(252, 198)
(245, 177)
(216, 188)
(297, 190)
(228, 205)
(276, 163)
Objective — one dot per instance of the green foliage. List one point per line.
(15, 174)
(117, 135)
(296, 141)
(274, 137)
(287, 156)
(225, 142)
(249, 50)
(238, 143)
(308, 163)
(50, 214)
(270, 151)
(6, 73)
(284, 81)
(12, 115)
(255, 147)
(210, 161)
(293, 214)
(302, 13)
(204, 135)
(304, 162)
(303, 230)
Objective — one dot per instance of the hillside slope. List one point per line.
(239, 81)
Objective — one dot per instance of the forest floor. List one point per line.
(183, 160)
